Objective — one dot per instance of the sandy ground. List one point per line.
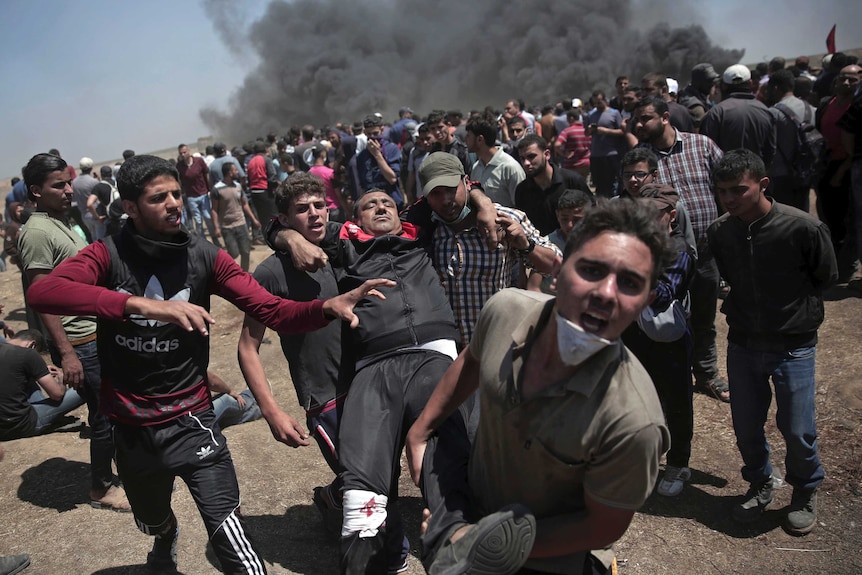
(44, 484)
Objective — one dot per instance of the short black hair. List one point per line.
(225, 168)
(37, 169)
(631, 218)
(128, 154)
(531, 139)
(33, 335)
(573, 199)
(483, 125)
(733, 165)
(657, 102)
(782, 81)
(137, 171)
(638, 155)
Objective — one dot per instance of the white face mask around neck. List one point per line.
(576, 345)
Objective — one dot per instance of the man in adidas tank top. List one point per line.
(150, 287)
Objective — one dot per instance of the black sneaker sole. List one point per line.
(501, 546)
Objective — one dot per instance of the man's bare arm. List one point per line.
(284, 428)
(72, 369)
(597, 527)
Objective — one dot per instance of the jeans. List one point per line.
(200, 211)
(101, 444)
(792, 374)
(47, 410)
(237, 243)
(228, 412)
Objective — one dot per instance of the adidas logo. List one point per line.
(204, 451)
(155, 291)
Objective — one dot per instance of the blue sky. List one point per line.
(93, 77)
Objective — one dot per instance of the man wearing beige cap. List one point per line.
(469, 270)
(740, 120)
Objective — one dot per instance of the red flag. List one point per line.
(830, 41)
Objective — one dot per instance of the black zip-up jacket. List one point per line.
(777, 268)
(415, 311)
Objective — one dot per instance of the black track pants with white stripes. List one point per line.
(192, 448)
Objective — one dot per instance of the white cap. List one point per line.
(736, 74)
(576, 103)
(85, 163)
(672, 86)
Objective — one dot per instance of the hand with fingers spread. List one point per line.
(341, 307)
(187, 315)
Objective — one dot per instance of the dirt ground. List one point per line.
(44, 484)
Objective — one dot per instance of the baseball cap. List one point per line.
(736, 74)
(219, 147)
(440, 169)
(404, 110)
(577, 103)
(86, 163)
(661, 196)
(703, 72)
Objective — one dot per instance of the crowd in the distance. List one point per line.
(627, 217)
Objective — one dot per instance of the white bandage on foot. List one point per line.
(364, 513)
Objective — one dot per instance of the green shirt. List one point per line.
(600, 431)
(44, 243)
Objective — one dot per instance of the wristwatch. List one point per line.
(531, 245)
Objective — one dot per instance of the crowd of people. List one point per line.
(523, 299)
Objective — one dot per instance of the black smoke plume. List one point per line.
(323, 61)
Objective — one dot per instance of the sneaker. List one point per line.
(757, 499)
(330, 513)
(498, 544)
(13, 564)
(803, 512)
(395, 570)
(163, 557)
(673, 480)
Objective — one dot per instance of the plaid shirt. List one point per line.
(687, 167)
(471, 273)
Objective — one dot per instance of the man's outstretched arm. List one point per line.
(284, 428)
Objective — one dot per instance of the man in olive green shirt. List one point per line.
(46, 240)
(570, 431)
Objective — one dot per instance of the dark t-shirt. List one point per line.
(314, 358)
(541, 205)
(21, 367)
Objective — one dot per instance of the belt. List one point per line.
(83, 340)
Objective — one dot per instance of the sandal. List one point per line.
(719, 389)
(114, 499)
